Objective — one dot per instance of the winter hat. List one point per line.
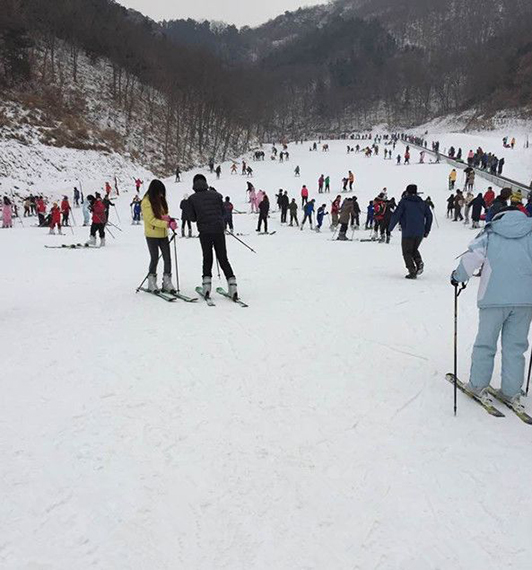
(200, 183)
(506, 193)
(411, 189)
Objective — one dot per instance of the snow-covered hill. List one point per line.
(313, 430)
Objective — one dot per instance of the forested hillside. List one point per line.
(91, 74)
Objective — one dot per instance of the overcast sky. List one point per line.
(239, 12)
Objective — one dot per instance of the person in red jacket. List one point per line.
(55, 219)
(335, 211)
(108, 189)
(379, 207)
(65, 210)
(99, 219)
(41, 210)
(304, 196)
(489, 196)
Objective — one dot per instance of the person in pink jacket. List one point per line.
(7, 215)
(253, 201)
(304, 196)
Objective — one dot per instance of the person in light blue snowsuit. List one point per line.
(504, 251)
(86, 212)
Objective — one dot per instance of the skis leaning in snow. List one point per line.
(72, 246)
(490, 408)
(208, 300)
(224, 293)
(523, 416)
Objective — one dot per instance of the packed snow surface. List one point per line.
(313, 430)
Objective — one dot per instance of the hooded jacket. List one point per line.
(414, 216)
(207, 209)
(504, 249)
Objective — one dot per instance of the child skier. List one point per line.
(369, 216)
(320, 215)
(55, 219)
(308, 210)
(136, 211)
(99, 219)
(228, 214)
(293, 212)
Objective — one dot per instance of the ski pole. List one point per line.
(114, 226)
(218, 268)
(243, 243)
(117, 215)
(176, 264)
(160, 255)
(457, 290)
(529, 373)
(110, 232)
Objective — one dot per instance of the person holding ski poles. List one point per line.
(504, 250)
(207, 210)
(156, 224)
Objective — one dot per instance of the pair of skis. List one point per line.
(169, 297)
(72, 246)
(222, 292)
(490, 408)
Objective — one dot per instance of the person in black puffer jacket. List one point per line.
(207, 210)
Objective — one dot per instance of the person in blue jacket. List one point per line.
(321, 213)
(415, 218)
(308, 210)
(504, 250)
(369, 216)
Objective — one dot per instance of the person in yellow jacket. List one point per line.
(452, 179)
(156, 225)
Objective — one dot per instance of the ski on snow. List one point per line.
(523, 416)
(72, 246)
(490, 408)
(224, 293)
(208, 300)
(160, 294)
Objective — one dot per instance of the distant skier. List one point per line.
(293, 207)
(327, 184)
(320, 215)
(351, 178)
(370, 216)
(65, 211)
(304, 196)
(136, 211)
(138, 184)
(55, 219)
(452, 179)
(346, 212)
(208, 211)
(177, 174)
(86, 212)
(264, 210)
(477, 205)
(335, 211)
(308, 211)
(450, 206)
(7, 213)
(415, 218)
(228, 214)
(284, 204)
(503, 249)
(297, 171)
(186, 216)
(76, 197)
(99, 219)
(218, 172)
(157, 222)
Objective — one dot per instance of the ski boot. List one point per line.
(152, 283)
(102, 242)
(420, 268)
(91, 242)
(52, 232)
(341, 237)
(207, 287)
(514, 402)
(411, 276)
(168, 286)
(481, 393)
(232, 288)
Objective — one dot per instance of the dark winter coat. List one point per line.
(293, 207)
(414, 216)
(496, 207)
(284, 202)
(477, 205)
(207, 209)
(264, 208)
(186, 210)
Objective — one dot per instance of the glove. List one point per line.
(172, 224)
(454, 282)
(166, 218)
(426, 235)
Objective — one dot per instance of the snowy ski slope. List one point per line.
(313, 430)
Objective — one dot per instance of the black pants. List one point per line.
(185, 223)
(293, 219)
(100, 228)
(304, 200)
(284, 213)
(208, 241)
(458, 214)
(411, 253)
(154, 245)
(65, 218)
(228, 222)
(265, 220)
(305, 218)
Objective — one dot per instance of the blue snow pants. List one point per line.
(513, 325)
